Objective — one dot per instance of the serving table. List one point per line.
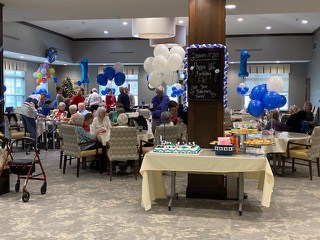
(241, 166)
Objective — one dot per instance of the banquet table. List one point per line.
(242, 166)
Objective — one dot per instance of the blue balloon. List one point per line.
(102, 80)
(282, 101)
(255, 108)
(258, 92)
(55, 103)
(109, 73)
(246, 89)
(4, 88)
(239, 90)
(42, 90)
(174, 88)
(52, 54)
(34, 92)
(103, 92)
(147, 77)
(55, 80)
(244, 55)
(119, 78)
(84, 75)
(250, 96)
(271, 100)
(179, 92)
(79, 83)
(173, 94)
(48, 95)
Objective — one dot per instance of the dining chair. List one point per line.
(306, 153)
(11, 133)
(123, 147)
(72, 147)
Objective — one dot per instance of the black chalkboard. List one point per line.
(205, 74)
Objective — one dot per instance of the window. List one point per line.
(262, 78)
(15, 93)
(131, 82)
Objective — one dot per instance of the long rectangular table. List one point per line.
(242, 166)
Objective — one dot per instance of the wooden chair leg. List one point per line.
(318, 167)
(64, 164)
(283, 166)
(135, 168)
(292, 170)
(78, 166)
(61, 156)
(70, 160)
(84, 163)
(310, 169)
(110, 170)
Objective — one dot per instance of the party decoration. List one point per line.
(38, 89)
(179, 50)
(102, 80)
(55, 80)
(55, 103)
(106, 90)
(283, 101)
(67, 87)
(255, 108)
(109, 73)
(271, 100)
(79, 83)
(84, 74)
(176, 92)
(150, 87)
(42, 90)
(118, 67)
(48, 95)
(258, 92)
(244, 55)
(44, 73)
(52, 54)
(109, 84)
(119, 78)
(161, 50)
(159, 64)
(169, 77)
(147, 65)
(242, 89)
(174, 62)
(275, 83)
(155, 79)
(4, 88)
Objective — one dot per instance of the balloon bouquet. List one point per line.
(242, 89)
(110, 73)
(164, 67)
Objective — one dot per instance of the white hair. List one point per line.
(73, 107)
(101, 110)
(122, 119)
(94, 90)
(77, 120)
(62, 104)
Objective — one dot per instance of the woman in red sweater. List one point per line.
(110, 100)
(77, 98)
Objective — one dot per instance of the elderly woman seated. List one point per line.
(60, 112)
(122, 120)
(165, 118)
(72, 110)
(101, 123)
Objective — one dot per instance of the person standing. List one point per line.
(123, 98)
(159, 104)
(59, 97)
(94, 100)
(131, 98)
(77, 98)
(110, 100)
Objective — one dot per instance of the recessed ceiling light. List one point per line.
(104, 64)
(240, 19)
(21, 57)
(105, 32)
(268, 27)
(231, 6)
(304, 21)
(277, 61)
(180, 21)
(125, 23)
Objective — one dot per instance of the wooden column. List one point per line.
(205, 119)
(1, 69)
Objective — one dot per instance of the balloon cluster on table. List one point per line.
(244, 55)
(267, 96)
(164, 66)
(44, 73)
(242, 89)
(41, 90)
(51, 54)
(84, 73)
(110, 73)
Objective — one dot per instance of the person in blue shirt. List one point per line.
(159, 104)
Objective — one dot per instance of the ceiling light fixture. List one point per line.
(231, 6)
(105, 32)
(180, 21)
(277, 61)
(240, 19)
(125, 23)
(153, 28)
(304, 21)
(268, 28)
(180, 39)
(21, 57)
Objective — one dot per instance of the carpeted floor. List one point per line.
(92, 207)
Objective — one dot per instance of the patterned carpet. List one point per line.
(92, 207)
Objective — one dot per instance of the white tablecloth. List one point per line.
(205, 162)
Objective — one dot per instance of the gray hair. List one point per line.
(159, 89)
(122, 119)
(165, 117)
(101, 110)
(77, 120)
(73, 107)
(121, 89)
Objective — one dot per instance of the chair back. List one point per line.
(170, 133)
(70, 140)
(144, 112)
(7, 133)
(123, 144)
(314, 150)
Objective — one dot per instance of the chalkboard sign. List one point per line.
(205, 74)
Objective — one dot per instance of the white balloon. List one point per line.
(175, 78)
(179, 50)
(170, 77)
(38, 88)
(118, 67)
(109, 84)
(159, 64)
(276, 84)
(151, 87)
(178, 86)
(155, 79)
(242, 85)
(174, 62)
(162, 50)
(147, 65)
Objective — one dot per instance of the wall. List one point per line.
(29, 79)
(314, 72)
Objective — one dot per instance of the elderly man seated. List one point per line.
(82, 109)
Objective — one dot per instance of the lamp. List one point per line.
(180, 39)
(153, 28)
